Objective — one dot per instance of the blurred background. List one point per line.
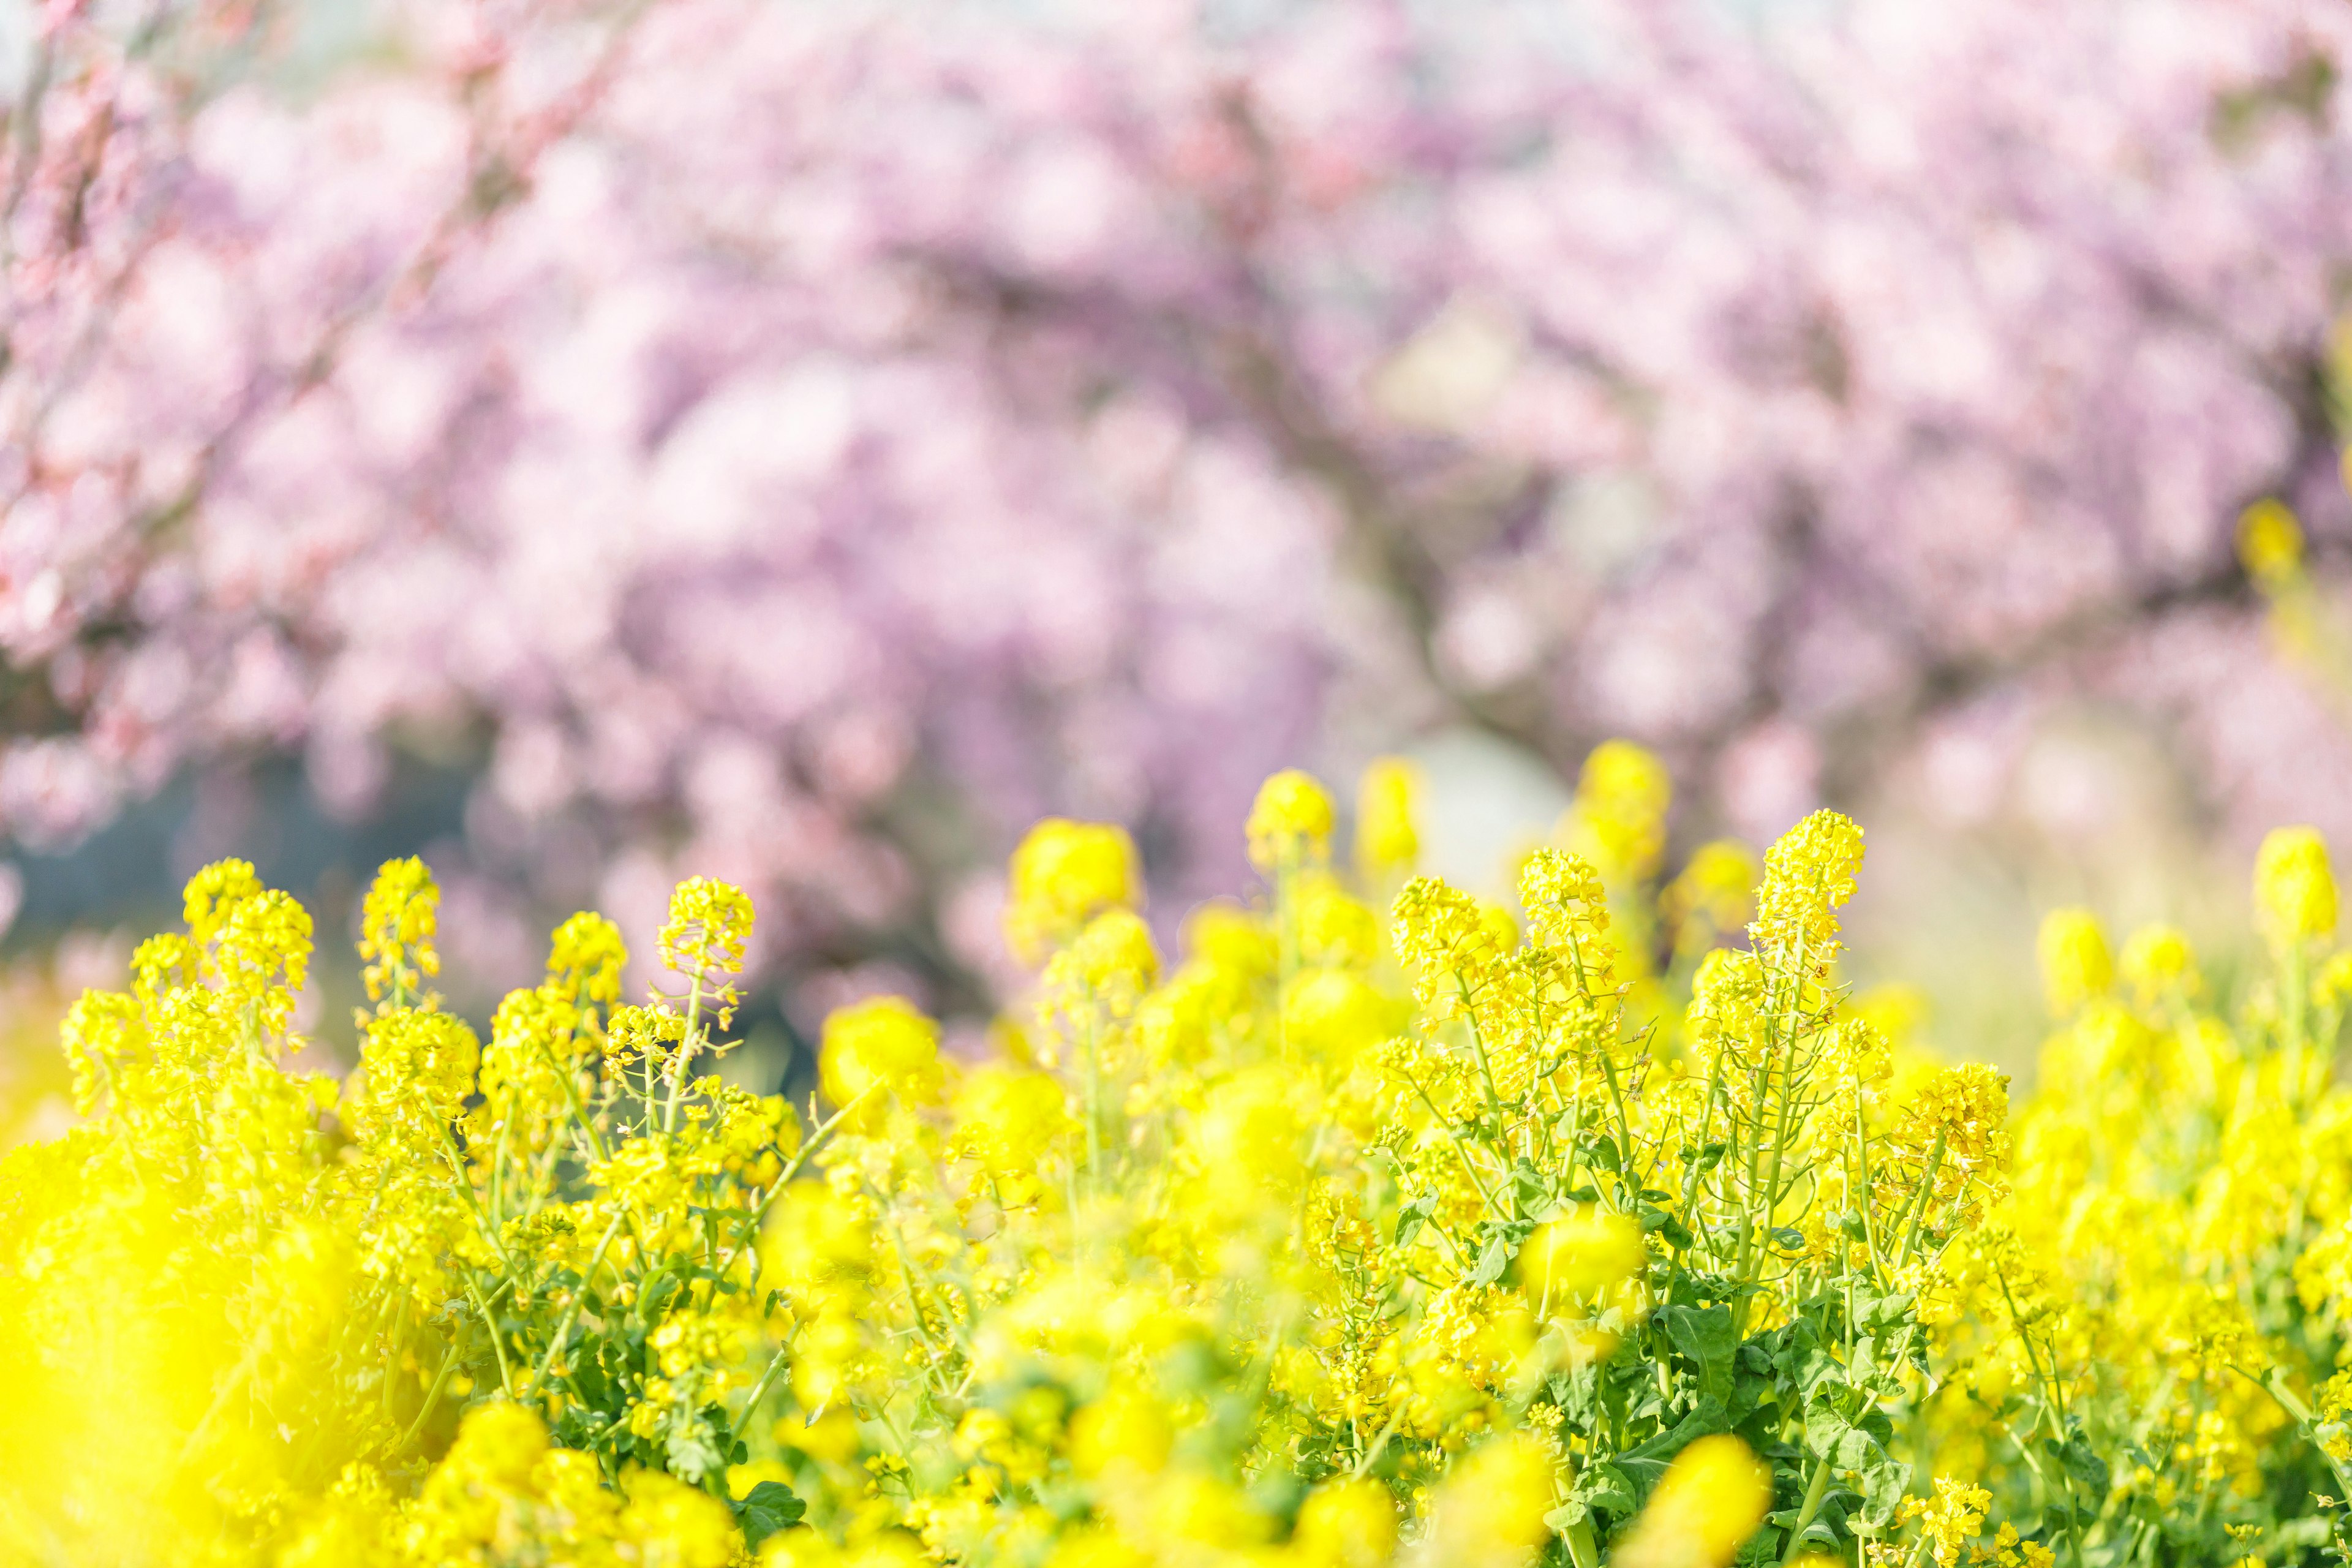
(804, 441)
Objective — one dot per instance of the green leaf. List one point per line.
(1825, 1430)
(1665, 1224)
(1598, 1489)
(1604, 1486)
(1646, 1463)
(771, 1506)
(1567, 1514)
(1495, 1259)
(691, 1449)
(1705, 1336)
(1882, 1487)
(1503, 1244)
(1413, 1215)
(2083, 1463)
(1533, 1186)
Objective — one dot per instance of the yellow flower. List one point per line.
(1578, 1257)
(1388, 837)
(1334, 929)
(1247, 1139)
(1489, 1512)
(703, 940)
(1007, 1119)
(880, 1046)
(1712, 1498)
(410, 1052)
(1809, 872)
(818, 1243)
(263, 955)
(397, 924)
(1124, 1431)
(1232, 939)
(1102, 974)
(2157, 961)
(1949, 1522)
(212, 895)
(672, 1525)
(1346, 1524)
(1620, 815)
(1716, 893)
(1332, 1013)
(2295, 890)
(586, 959)
(1568, 913)
(2075, 964)
(2270, 541)
(1188, 1510)
(1062, 874)
(1291, 822)
(1091, 1548)
(1444, 941)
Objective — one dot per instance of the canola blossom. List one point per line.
(1608, 1227)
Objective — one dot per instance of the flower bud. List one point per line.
(2295, 890)
(1291, 822)
(2075, 964)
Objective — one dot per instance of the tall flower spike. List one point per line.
(1290, 821)
(586, 959)
(1716, 893)
(2075, 964)
(212, 895)
(1062, 874)
(1620, 815)
(1444, 940)
(398, 922)
(709, 924)
(2295, 889)
(264, 956)
(1388, 836)
(1809, 872)
(1568, 912)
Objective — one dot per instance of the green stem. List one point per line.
(759, 1391)
(432, 1398)
(571, 1309)
(490, 1323)
(1816, 1488)
(1379, 1441)
(673, 1071)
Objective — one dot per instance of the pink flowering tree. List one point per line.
(804, 443)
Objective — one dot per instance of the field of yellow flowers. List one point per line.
(1378, 1226)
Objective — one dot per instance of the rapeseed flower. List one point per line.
(1466, 1237)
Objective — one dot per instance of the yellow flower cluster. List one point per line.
(473, 1303)
(2150, 1329)
(1441, 1235)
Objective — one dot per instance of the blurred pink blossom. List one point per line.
(804, 443)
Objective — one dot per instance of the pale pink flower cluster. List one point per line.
(802, 442)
